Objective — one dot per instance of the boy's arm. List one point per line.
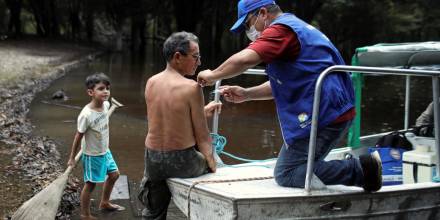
(82, 125)
(200, 125)
(75, 147)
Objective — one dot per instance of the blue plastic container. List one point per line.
(391, 164)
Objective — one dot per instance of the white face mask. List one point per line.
(252, 33)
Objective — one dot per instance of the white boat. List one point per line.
(248, 191)
(264, 199)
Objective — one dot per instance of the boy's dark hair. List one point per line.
(96, 78)
(178, 42)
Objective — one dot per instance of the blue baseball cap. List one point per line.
(244, 7)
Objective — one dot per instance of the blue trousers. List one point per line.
(291, 166)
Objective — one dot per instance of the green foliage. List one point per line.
(348, 23)
(352, 23)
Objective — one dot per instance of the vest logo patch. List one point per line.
(395, 154)
(303, 119)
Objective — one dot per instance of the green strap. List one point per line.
(355, 130)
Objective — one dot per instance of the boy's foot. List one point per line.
(88, 217)
(372, 169)
(111, 207)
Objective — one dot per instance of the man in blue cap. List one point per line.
(296, 53)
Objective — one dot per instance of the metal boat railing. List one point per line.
(373, 70)
(260, 72)
(380, 71)
(215, 117)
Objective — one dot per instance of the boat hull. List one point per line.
(264, 199)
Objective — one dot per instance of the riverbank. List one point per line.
(29, 163)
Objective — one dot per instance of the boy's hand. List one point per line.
(71, 162)
(211, 163)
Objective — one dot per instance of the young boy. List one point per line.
(93, 133)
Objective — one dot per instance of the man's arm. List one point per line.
(234, 65)
(427, 117)
(200, 125)
(239, 94)
(260, 92)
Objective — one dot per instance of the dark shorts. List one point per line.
(161, 165)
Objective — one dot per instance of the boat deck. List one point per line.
(242, 182)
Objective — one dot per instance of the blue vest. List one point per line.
(293, 82)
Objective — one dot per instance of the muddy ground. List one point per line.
(28, 163)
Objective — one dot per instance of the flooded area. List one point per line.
(383, 102)
(251, 128)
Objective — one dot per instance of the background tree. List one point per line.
(121, 24)
(14, 25)
(430, 21)
(188, 14)
(138, 18)
(46, 18)
(305, 9)
(74, 10)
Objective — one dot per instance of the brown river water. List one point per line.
(251, 128)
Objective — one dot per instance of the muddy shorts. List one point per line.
(161, 165)
(96, 168)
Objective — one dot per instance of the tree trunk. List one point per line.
(119, 40)
(187, 14)
(75, 22)
(138, 23)
(307, 9)
(14, 7)
(34, 9)
(39, 9)
(54, 24)
(90, 26)
(142, 36)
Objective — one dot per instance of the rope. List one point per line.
(219, 142)
(188, 198)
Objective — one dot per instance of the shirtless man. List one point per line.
(178, 142)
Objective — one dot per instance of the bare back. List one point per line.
(175, 112)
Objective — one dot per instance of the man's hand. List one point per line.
(211, 163)
(204, 78)
(235, 94)
(211, 107)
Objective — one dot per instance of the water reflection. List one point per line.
(251, 128)
(384, 99)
